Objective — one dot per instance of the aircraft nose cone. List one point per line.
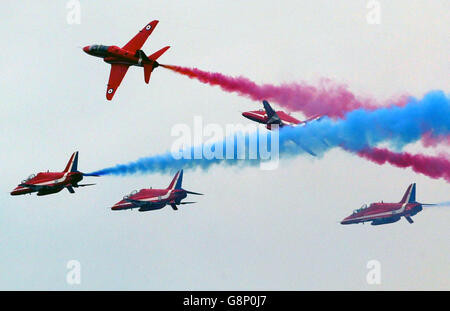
(86, 48)
(16, 191)
(117, 206)
(345, 221)
(247, 115)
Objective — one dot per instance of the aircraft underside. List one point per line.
(383, 221)
(151, 207)
(49, 191)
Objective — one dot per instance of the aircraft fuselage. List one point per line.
(150, 199)
(115, 55)
(383, 213)
(260, 116)
(47, 183)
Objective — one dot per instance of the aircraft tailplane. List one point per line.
(157, 54)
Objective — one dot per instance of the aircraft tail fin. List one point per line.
(157, 54)
(176, 181)
(272, 116)
(410, 194)
(150, 62)
(72, 165)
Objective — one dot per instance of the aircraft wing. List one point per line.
(138, 40)
(118, 71)
(316, 117)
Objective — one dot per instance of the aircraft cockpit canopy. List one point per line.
(130, 195)
(28, 178)
(363, 207)
(98, 48)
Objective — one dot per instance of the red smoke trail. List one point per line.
(431, 166)
(327, 99)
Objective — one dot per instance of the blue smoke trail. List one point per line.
(360, 129)
(443, 203)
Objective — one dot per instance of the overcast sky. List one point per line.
(254, 229)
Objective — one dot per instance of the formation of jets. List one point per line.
(130, 54)
(45, 183)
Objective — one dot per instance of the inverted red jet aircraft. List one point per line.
(269, 116)
(386, 213)
(153, 199)
(48, 182)
(128, 55)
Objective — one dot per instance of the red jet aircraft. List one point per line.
(153, 199)
(129, 55)
(269, 116)
(48, 182)
(386, 213)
